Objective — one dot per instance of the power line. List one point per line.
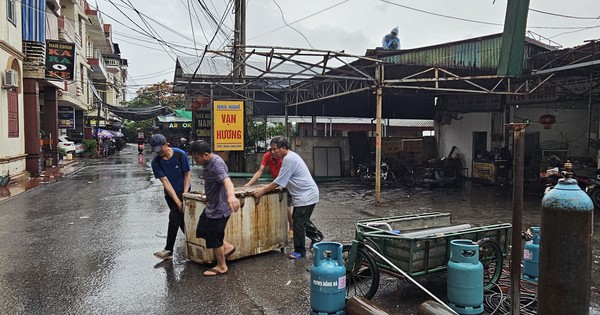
(302, 19)
(569, 32)
(209, 43)
(565, 16)
(150, 28)
(479, 22)
(193, 33)
(283, 19)
(121, 39)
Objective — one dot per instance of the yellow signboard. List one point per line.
(228, 128)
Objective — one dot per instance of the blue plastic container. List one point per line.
(465, 278)
(531, 256)
(328, 280)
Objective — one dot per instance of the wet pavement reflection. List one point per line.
(83, 244)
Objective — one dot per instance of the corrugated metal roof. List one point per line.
(478, 53)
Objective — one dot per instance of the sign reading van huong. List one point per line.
(228, 125)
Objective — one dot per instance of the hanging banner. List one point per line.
(228, 131)
(60, 60)
(66, 117)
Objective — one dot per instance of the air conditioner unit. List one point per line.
(10, 79)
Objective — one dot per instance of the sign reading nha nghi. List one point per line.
(228, 120)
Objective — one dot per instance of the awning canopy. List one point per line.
(137, 113)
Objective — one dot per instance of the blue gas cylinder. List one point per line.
(531, 256)
(565, 275)
(465, 278)
(328, 280)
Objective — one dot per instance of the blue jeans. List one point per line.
(304, 227)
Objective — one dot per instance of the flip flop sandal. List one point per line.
(230, 253)
(294, 255)
(215, 271)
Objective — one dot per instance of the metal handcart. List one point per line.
(419, 245)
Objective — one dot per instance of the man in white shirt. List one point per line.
(296, 178)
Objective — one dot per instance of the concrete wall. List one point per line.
(304, 147)
(460, 134)
(569, 132)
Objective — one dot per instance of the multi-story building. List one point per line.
(64, 75)
(12, 157)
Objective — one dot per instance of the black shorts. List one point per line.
(212, 230)
(289, 200)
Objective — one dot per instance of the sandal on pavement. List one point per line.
(294, 255)
(229, 253)
(214, 271)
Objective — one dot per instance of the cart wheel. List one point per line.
(363, 279)
(490, 256)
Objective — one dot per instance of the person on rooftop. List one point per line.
(391, 40)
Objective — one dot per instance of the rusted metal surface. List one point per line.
(358, 305)
(476, 53)
(517, 215)
(565, 251)
(432, 308)
(259, 226)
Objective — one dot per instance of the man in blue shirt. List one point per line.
(296, 178)
(220, 202)
(391, 40)
(172, 168)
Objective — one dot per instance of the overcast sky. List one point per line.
(350, 25)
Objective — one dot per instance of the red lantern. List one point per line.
(547, 120)
(203, 101)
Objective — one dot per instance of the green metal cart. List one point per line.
(419, 245)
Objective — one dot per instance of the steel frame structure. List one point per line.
(292, 77)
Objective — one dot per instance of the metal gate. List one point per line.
(328, 161)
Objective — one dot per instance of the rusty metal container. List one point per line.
(258, 227)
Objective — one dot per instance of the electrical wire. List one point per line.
(476, 21)
(151, 29)
(298, 20)
(174, 44)
(288, 25)
(565, 16)
(209, 43)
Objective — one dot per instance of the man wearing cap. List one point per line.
(220, 203)
(172, 168)
(391, 40)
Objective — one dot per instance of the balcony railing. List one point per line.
(67, 31)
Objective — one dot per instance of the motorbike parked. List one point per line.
(366, 173)
(591, 185)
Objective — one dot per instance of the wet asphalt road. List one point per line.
(84, 244)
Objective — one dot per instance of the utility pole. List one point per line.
(239, 39)
(379, 97)
(239, 54)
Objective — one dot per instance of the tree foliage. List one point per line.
(158, 93)
(260, 133)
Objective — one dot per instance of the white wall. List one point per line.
(570, 130)
(12, 150)
(459, 133)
